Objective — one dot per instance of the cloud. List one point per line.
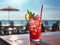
(12, 15)
(17, 16)
(18, 2)
(48, 15)
(3, 15)
(1, 3)
(4, 4)
(51, 7)
(51, 15)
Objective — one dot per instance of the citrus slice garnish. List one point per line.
(27, 16)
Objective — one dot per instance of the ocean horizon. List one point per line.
(24, 22)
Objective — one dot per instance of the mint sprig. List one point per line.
(30, 13)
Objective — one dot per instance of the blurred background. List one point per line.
(12, 15)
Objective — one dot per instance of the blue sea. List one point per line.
(24, 22)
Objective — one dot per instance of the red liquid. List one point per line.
(35, 28)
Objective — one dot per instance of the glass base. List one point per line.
(37, 41)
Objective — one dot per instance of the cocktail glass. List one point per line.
(35, 28)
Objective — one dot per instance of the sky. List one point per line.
(51, 8)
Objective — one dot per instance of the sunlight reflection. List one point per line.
(13, 38)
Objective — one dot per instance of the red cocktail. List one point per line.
(35, 28)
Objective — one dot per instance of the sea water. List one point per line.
(24, 22)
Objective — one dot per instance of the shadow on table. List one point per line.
(2, 42)
(44, 43)
(39, 43)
